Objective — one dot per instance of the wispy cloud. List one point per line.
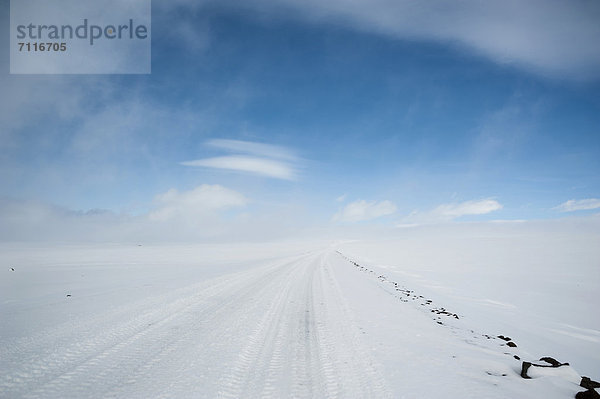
(550, 37)
(523, 33)
(451, 211)
(579, 205)
(258, 149)
(258, 158)
(259, 166)
(362, 210)
(27, 102)
(456, 210)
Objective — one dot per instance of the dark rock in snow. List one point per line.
(68, 295)
(502, 337)
(524, 367)
(12, 269)
(517, 357)
(511, 344)
(586, 382)
(553, 362)
(589, 394)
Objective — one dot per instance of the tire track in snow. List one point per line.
(174, 350)
(263, 350)
(358, 373)
(67, 367)
(281, 330)
(306, 345)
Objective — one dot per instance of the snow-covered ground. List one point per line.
(349, 319)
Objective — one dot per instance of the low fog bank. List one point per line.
(30, 221)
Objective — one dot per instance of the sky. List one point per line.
(276, 116)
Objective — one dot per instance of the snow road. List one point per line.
(281, 330)
(310, 325)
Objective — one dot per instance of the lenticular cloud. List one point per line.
(255, 158)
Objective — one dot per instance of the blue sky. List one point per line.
(286, 113)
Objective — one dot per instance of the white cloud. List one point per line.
(362, 210)
(456, 210)
(259, 166)
(450, 211)
(579, 205)
(257, 158)
(258, 149)
(202, 201)
(547, 36)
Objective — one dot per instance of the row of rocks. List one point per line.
(406, 295)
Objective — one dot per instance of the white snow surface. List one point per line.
(276, 320)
